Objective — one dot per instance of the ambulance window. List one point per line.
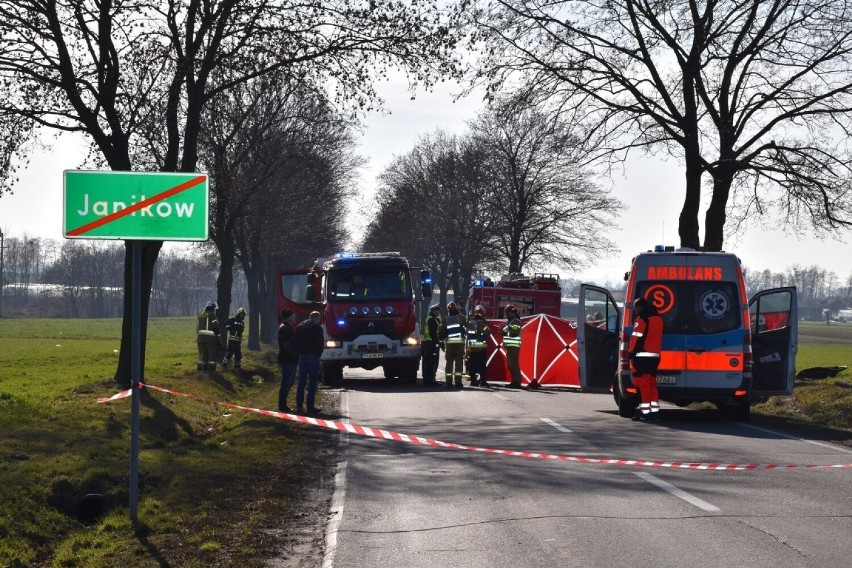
(694, 307)
(666, 297)
(715, 307)
(771, 312)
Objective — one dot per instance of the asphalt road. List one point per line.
(400, 504)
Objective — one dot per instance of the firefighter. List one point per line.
(207, 336)
(431, 345)
(512, 343)
(234, 329)
(645, 346)
(477, 343)
(454, 339)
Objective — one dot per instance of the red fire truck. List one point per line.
(370, 311)
(539, 294)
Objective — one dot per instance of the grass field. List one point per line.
(214, 484)
(217, 487)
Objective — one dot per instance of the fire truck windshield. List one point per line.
(356, 285)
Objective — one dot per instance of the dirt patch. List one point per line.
(302, 539)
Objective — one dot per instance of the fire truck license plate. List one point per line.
(666, 380)
(372, 355)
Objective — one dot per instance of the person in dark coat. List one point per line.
(234, 328)
(310, 341)
(288, 357)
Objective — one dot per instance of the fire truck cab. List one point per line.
(368, 303)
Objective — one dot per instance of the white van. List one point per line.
(718, 346)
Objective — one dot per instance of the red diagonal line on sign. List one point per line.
(136, 206)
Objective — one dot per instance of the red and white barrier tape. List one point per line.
(397, 437)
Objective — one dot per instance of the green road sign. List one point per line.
(136, 205)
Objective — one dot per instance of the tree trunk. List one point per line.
(150, 253)
(269, 311)
(714, 234)
(688, 220)
(254, 307)
(225, 279)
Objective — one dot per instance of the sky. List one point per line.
(649, 187)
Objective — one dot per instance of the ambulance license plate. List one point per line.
(372, 355)
(666, 380)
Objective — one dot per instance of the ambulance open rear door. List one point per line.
(598, 328)
(774, 324)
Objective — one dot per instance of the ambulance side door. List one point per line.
(598, 328)
(773, 316)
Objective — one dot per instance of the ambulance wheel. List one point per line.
(741, 412)
(332, 374)
(626, 405)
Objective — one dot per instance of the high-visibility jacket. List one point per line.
(647, 338)
(235, 327)
(454, 331)
(477, 333)
(433, 327)
(512, 334)
(208, 325)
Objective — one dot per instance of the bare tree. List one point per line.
(135, 76)
(434, 207)
(549, 210)
(297, 210)
(748, 91)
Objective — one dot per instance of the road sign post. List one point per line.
(135, 206)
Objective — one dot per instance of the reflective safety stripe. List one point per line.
(511, 341)
(647, 354)
(454, 333)
(638, 333)
(645, 407)
(205, 332)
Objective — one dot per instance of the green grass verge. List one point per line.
(819, 402)
(214, 484)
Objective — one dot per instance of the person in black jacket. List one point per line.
(234, 328)
(310, 341)
(288, 358)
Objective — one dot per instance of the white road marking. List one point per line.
(559, 427)
(335, 510)
(783, 435)
(677, 492)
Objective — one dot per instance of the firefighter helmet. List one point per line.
(241, 312)
(511, 308)
(434, 307)
(211, 305)
(479, 310)
(452, 307)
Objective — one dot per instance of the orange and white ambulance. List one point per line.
(718, 346)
